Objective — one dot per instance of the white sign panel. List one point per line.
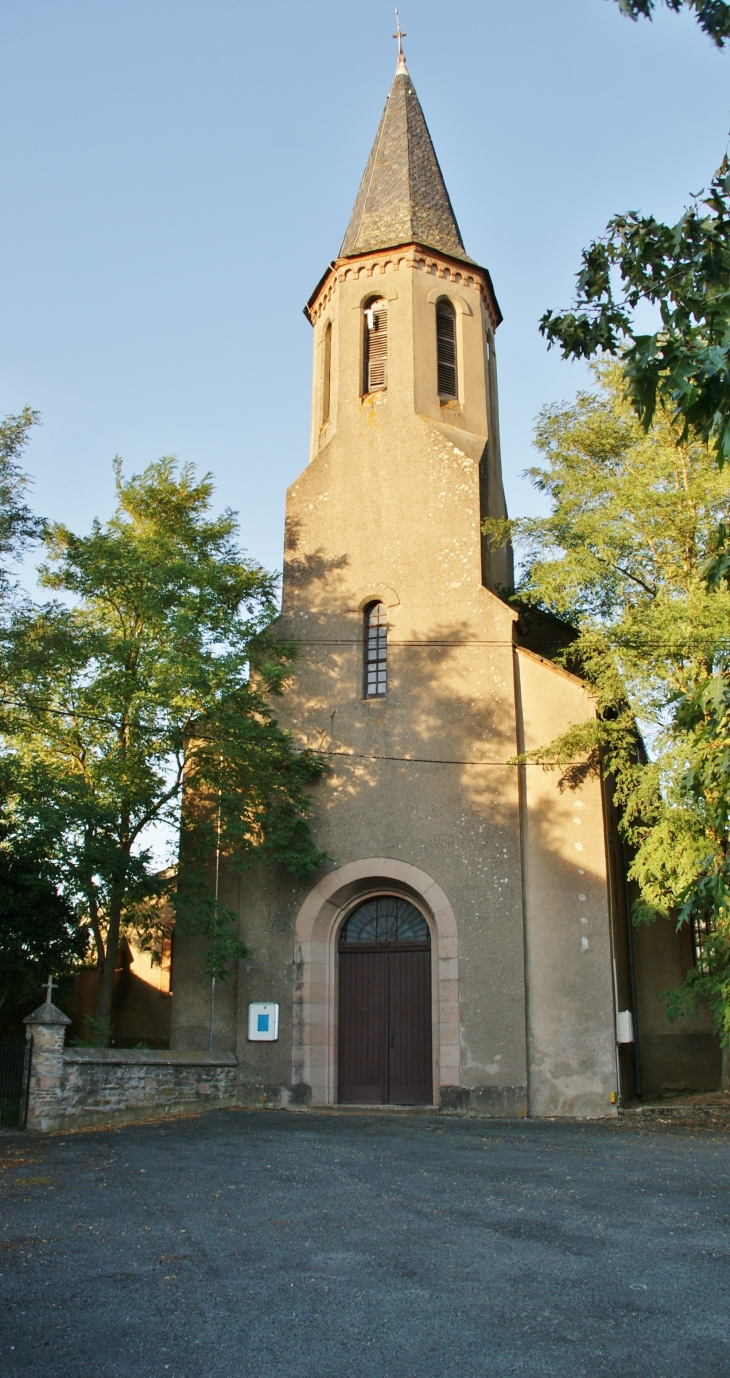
(263, 1022)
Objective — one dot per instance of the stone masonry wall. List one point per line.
(101, 1085)
(73, 1088)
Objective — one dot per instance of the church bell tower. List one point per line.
(410, 682)
(404, 339)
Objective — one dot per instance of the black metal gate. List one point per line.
(15, 1059)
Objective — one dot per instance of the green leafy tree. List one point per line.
(19, 528)
(621, 559)
(682, 270)
(38, 930)
(155, 678)
(681, 370)
(39, 934)
(712, 15)
(705, 717)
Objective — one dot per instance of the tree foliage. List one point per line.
(39, 935)
(38, 930)
(154, 675)
(683, 270)
(705, 718)
(713, 16)
(621, 557)
(682, 371)
(19, 528)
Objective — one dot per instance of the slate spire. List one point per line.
(403, 197)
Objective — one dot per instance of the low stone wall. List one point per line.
(101, 1085)
(72, 1088)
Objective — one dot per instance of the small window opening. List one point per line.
(703, 928)
(446, 349)
(376, 651)
(327, 374)
(375, 353)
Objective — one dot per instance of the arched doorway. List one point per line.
(314, 1009)
(384, 1024)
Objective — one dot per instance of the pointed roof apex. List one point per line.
(403, 197)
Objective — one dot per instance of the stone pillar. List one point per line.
(46, 1026)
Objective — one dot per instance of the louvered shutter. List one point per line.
(327, 373)
(376, 347)
(446, 349)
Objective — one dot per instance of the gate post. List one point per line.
(46, 1028)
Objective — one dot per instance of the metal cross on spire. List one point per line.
(400, 36)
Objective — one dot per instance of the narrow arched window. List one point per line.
(375, 346)
(376, 650)
(446, 349)
(327, 373)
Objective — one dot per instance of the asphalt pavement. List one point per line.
(328, 1245)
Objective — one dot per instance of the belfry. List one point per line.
(467, 943)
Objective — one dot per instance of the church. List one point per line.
(467, 945)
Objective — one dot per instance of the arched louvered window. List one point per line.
(327, 373)
(446, 349)
(375, 351)
(376, 650)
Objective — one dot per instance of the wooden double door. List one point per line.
(385, 1048)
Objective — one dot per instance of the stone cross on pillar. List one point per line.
(45, 1030)
(50, 983)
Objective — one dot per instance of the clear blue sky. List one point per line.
(177, 174)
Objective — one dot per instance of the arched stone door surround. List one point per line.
(314, 1039)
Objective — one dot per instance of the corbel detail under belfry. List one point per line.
(418, 260)
(324, 298)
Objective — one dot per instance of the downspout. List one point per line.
(522, 814)
(612, 907)
(632, 973)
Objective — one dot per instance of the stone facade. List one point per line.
(508, 868)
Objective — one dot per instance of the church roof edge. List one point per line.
(557, 669)
(410, 244)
